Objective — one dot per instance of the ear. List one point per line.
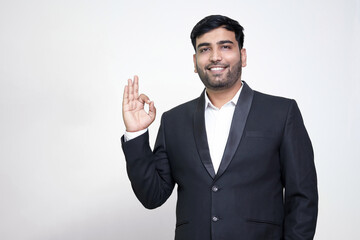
(243, 57)
(194, 59)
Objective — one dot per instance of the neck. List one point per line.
(220, 97)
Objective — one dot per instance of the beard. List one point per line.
(215, 82)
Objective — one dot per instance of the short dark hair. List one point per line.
(214, 21)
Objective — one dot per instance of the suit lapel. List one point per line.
(200, 136)
(241, 113)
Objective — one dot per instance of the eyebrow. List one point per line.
(224, 41)
(203, 44)
(218, 43)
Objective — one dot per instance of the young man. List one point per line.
(242, 160)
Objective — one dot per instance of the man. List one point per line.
(242, 160)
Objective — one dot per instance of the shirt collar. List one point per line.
(234, 100)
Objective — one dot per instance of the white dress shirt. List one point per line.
(217, 124)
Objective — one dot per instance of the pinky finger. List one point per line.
(126, 95)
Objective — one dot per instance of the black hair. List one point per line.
(214, 21)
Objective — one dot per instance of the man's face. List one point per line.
(218, 60)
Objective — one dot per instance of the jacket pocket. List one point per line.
(181, 223)
(260, 134)
(252, 220)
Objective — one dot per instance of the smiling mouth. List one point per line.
(216, 69)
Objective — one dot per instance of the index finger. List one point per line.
(144, 99)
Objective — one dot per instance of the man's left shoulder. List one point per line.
(271, 101)
(271, 112)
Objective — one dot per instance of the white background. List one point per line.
(63, 65)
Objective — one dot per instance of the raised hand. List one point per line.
(134, 115)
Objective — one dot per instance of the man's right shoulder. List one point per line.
(184, 109)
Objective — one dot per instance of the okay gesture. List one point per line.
(134, 115)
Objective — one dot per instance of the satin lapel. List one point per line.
(237, 127)
(200, 136)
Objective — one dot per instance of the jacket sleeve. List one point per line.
(299, 178)
(149, 171)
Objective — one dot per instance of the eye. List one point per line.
(204, 50)
(226, 47)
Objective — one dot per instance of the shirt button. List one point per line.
(215, 219)
(214, 188)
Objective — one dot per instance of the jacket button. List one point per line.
(215, 219)
(214, 188)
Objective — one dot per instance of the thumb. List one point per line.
(152, 110)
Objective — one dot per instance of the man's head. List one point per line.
(219, 56)
(215, 21)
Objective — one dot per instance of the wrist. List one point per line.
(131, 135)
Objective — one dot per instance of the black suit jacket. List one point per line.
(265, 187)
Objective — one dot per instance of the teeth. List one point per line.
(216, 69)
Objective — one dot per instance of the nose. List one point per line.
(215, 56)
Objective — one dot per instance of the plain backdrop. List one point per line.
(63, 66)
